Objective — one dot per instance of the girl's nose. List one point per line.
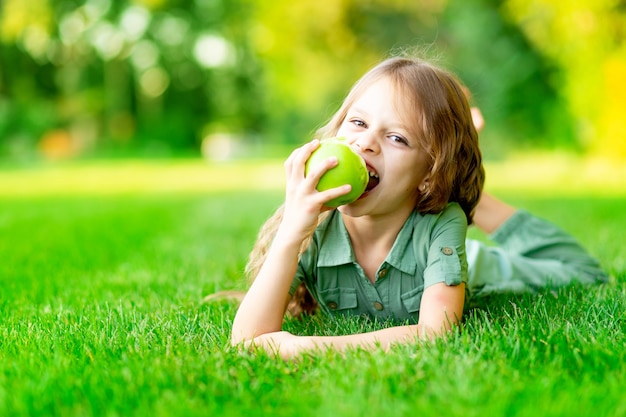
(366, 142)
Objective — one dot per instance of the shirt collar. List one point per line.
(334, 242)
(336, 248)
(402, 254)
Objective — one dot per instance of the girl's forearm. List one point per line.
(440, 312)
(383, 338)
(263, 308)
(289, 346)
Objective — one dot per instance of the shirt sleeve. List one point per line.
(306, 264)
(446, 257)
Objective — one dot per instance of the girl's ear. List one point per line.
(424, 185)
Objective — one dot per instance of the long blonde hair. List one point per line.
(437, 102)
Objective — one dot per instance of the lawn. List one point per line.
(104, 266)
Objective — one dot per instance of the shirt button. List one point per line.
(378, 306)
(332, 305)
(382, 273)
(447, 251)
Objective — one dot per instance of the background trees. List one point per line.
(158, 76)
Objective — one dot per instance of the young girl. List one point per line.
(399, 252)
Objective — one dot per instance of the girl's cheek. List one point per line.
(346, 131)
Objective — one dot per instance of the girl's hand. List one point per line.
(303, 203)
(283, 343)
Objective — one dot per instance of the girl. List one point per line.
(398, 252)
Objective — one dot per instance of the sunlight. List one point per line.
(536, 174)
(135, 176)
(212, 51)
(557, 174)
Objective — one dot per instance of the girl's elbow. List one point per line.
(238, 333)
(239, 336)
(236, 340)
(244, 336)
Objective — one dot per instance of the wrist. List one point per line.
(288, 236)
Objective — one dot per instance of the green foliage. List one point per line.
(315, 54)
(101, 314)
(586, 40)
(80, 77)
(110, 73)
(514, 84)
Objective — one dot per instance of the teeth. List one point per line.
(373, 174)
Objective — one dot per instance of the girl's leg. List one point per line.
(491, 213)
(531, 253)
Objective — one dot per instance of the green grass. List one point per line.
(103, 268)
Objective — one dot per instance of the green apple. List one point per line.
(350, 169)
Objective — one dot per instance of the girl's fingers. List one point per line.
(302, 190)
(316, 172)
(332, 193)
(294, 165)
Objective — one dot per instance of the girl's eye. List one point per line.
(358, 122)
(398, 139)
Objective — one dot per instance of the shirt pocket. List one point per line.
(336, 299)
(412, 299)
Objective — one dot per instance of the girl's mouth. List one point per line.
(374, 180)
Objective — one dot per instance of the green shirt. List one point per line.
(429, 249)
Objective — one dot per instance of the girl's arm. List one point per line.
(263, 307)
(440, 311)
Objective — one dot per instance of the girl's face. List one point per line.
(381, 130)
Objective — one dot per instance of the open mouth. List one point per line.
(374, 179)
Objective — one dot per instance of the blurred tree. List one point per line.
(511, 81)
(163, 74)
(153, 72)
(587, 40)
(312, 54)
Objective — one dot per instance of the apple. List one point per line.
(350, 169)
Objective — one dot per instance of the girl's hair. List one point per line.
(438, 105)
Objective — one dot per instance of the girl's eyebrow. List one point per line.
(394, 126)
(356, 110)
